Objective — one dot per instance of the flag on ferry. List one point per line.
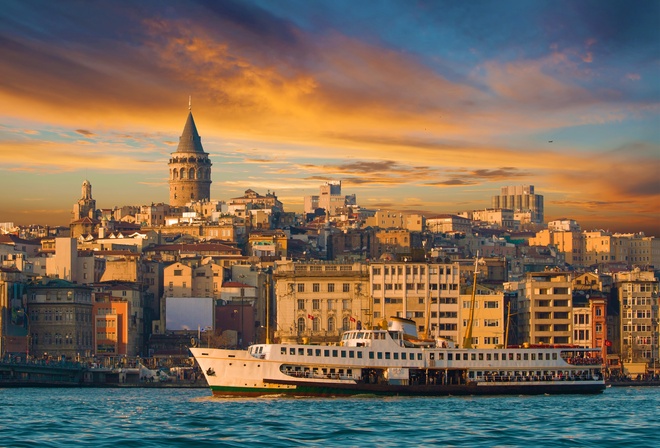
(352, 319)
(309, 316)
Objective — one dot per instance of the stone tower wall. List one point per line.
(183, 187)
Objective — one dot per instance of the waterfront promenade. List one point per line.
(51, 373)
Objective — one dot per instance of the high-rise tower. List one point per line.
(190, 168)
(521, 198)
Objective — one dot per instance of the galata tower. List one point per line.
(190, 168)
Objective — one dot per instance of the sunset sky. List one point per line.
(427, 106)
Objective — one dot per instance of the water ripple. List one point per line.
(184, 417)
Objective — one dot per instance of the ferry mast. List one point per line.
(467, 339)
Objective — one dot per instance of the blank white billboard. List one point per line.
(188, 313)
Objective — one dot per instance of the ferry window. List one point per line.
(419, 356)
(547, 356)
(465, 356)
(359, 355)
(481, 356)
(526, 356)
(326, 352)
(517, 356)
(431, 355)
(403, 355)
(310, 352)
(510, 356)
(441, 356)
(360, 335)
(387, 355)
(395, 355)
(450, 356)
(473, 356)
(318, 352)
(380, 355)
(533, 356)
(292, 351)
(554, 356)
(334, 353)
(301, 351)
(488, 356)
(343, 353)
(371, 355)
(282, 350)
(496, 356)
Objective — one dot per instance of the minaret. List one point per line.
(190, 167)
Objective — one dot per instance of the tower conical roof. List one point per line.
(190, 141)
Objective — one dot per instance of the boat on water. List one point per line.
(393, 360)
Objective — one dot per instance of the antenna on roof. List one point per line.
(190, 102)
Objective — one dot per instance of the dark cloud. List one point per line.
(501, 173)
(451, 183)
(269, 29)
(321, 178)
(85, 132)
(370, 167)
(398, 141)
(585, 204)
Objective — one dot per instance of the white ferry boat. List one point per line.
(394, 361)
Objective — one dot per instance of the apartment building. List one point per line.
(193, 278)
(329, 199)
(111, 335)
(396, 241)
(424, 292)
(501, 217)
(448, 224)
(60, 319)
(489, 320)
(568, 242)
(638, 296)
(13, 311)
(318, 301)
(268, 243)
(544, 308)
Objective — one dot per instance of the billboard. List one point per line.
(188, 313)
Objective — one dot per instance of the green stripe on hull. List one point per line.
(307, 391)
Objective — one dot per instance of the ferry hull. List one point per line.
(302, 388)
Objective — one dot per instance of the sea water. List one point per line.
(136, 417)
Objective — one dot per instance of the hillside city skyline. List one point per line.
(190, 169)
(417, 107)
